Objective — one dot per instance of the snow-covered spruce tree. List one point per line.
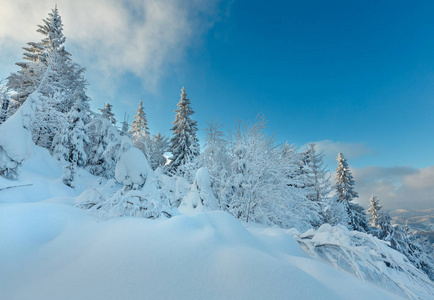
(140, 132)
(4, 102)
(374, 211)
(125, 126)
(317, 174)
(184, 144)
(48, 117)
(65, 81)
(26, 80)
(69, 143)
(334, 212)
(346, 194)
(302, 172)
(107, 113)
(103, 136)
(216, 159)
(258, 188)
(159, 145)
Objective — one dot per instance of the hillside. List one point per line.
(54, 250)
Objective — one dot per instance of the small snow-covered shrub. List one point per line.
(201, 197)
(134, 203)
(139, 196)
(368, 258)
(172, 188)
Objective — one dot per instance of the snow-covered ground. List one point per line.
(50, 249)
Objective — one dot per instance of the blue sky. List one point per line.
(317, 70)
(357, 76)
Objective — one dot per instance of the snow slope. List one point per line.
(50, 249)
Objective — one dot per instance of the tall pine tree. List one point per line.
(318, 176)
(36, 57)
(70, 142)
(374, 211)
(184, 144)
(346, 194)
(139, 131)
(65, 81)
(158, 146)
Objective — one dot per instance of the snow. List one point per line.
(368, 258)
(59, 252)
(201, 197)
(53, 250)
(15, 136)
(132, 168)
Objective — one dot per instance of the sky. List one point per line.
(355, 77)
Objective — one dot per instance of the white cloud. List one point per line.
(396, 187)
(112, 37)
(350, 150)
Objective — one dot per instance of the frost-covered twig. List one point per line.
(15, 186)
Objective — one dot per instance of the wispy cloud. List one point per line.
(143, 37)
(350, 150)
(396, 187)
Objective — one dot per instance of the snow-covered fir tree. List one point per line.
(65, 81)
(102, 136)
(70, 142)
(125, 126)
(159, 145)
(346, 194)
(184, 144)
(317, 174)
(139, 130)
(26, 80)
(344, 181)
(215, 158)
(358, 217)
(374, 211)
(4, 102)
(107, 113)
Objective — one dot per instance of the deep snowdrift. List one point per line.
(52, 250)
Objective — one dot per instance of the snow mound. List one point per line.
(133, 168)
(60, 252)
(16, 138)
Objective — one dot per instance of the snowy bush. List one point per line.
(215, 158)
(261, 187)
(139, 197)
(172, 188)
(201, 197)
(133, 203)
(368, 258)
(103, 138)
